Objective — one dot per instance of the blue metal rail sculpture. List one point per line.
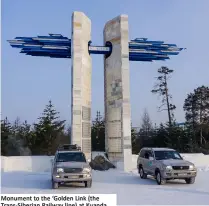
(58, 46)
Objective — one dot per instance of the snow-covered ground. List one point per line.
(130, 189)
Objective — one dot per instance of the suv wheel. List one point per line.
(159, 179)
(190, 180)
(55, 185)
(88, 183)
(142, 174)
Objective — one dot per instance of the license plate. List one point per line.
(72, 177)
(183, 174)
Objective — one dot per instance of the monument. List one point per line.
(117, 92)
(81, 82)
(117, 51)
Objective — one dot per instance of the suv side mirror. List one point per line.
(151, 158)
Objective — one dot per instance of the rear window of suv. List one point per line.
(71, 157)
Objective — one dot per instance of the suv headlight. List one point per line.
(168, 168)
(86, 170)
(191, 167)
(60, 170)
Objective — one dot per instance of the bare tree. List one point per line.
(146, 125)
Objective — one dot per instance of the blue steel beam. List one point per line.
(58, 46)
(142, 49)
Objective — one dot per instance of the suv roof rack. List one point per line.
(69, 147)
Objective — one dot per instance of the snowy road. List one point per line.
(130, 189)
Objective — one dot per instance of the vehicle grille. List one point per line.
(73, 170)
(180, 167)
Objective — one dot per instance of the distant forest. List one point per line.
(42, 138)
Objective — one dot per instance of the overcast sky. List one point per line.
(29, 82)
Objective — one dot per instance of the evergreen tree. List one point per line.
(6, 131)
(98, 133)
(177, 138)
(161, 137)
(26, 134)
(16, 126)
(63, 138)
(196, 107)
(202, 104)
(68, 132)
(47, 130)
(134, 142)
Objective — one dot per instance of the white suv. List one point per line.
(70, 165)
(165, 164)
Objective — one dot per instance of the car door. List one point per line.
(152, 163)
(140, 159)
(146, 161)
(149, 162)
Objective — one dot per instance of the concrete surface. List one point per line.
(81, 82)
(117, 92)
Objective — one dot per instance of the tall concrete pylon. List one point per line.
(81, 82)
(117, 92)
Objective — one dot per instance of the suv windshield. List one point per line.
(71, 157)
(164, 155)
